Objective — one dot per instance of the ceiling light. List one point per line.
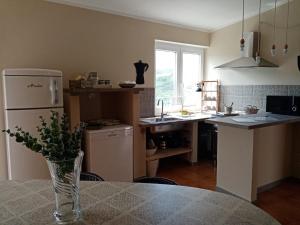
(242, 41)
(273, 49)
(285, 48)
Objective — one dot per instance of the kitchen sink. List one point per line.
(166, 119)
(165, 124)
(160, 120)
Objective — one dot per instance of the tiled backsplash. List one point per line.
(147, 102)
(240, 95)
(243, 95)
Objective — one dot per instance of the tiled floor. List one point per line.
(282, 202)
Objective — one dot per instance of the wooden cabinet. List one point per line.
(112, 103)
(187, 148)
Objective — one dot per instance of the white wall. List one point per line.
(224, 46)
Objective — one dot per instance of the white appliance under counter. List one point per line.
(109, 152)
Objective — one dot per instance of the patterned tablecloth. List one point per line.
(114, 203)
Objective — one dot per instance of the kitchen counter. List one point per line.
(174, 121)
(258, 121)
(255, 152)
(85, 104)
(179, 119)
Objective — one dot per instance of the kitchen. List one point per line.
(46, 34)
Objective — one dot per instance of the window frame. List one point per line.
(180, 49)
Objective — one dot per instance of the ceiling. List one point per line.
(205, 15)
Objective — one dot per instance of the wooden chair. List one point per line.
(155, 180)
(88, 176)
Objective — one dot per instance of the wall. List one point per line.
(273, 148)
(243, 95)
(224, 46)
(147, 103)
(40, 34)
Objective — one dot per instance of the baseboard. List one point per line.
(259, 189)
(270, 186)
(221, 190)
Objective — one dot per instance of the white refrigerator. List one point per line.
(29, 94)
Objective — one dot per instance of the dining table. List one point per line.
(32, 202)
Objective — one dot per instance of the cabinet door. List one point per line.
(24, 164)
(110, 155)
(25, 92)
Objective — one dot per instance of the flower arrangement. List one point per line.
(55, 142)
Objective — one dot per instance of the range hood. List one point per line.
(247, 60)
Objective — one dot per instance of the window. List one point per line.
(178, 70)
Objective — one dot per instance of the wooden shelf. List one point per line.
(210, 89)
(119, 103)
(78, 91)
(168, 153)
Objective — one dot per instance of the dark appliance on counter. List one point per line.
(284, 105)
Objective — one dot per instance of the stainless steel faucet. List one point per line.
(162, 108)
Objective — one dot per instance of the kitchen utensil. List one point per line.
(127, 84)
(123, 85)
(101, 82)
(93, 78)
(228, 109)
(199, 87)
(140, 68)
(162, 142)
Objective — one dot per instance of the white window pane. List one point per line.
(166, 76)
(191, 70)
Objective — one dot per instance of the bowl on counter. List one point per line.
(251, 109)
(127, 84)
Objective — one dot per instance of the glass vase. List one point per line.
(65, 178)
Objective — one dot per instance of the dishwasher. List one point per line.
(109, 152)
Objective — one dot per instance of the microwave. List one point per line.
(285, 105)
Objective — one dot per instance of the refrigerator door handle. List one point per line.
(54, 91)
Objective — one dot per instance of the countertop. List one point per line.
(259, 120)
(181, 119)
(113, 203)
(264, 120)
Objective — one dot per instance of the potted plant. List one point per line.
(61, 148)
